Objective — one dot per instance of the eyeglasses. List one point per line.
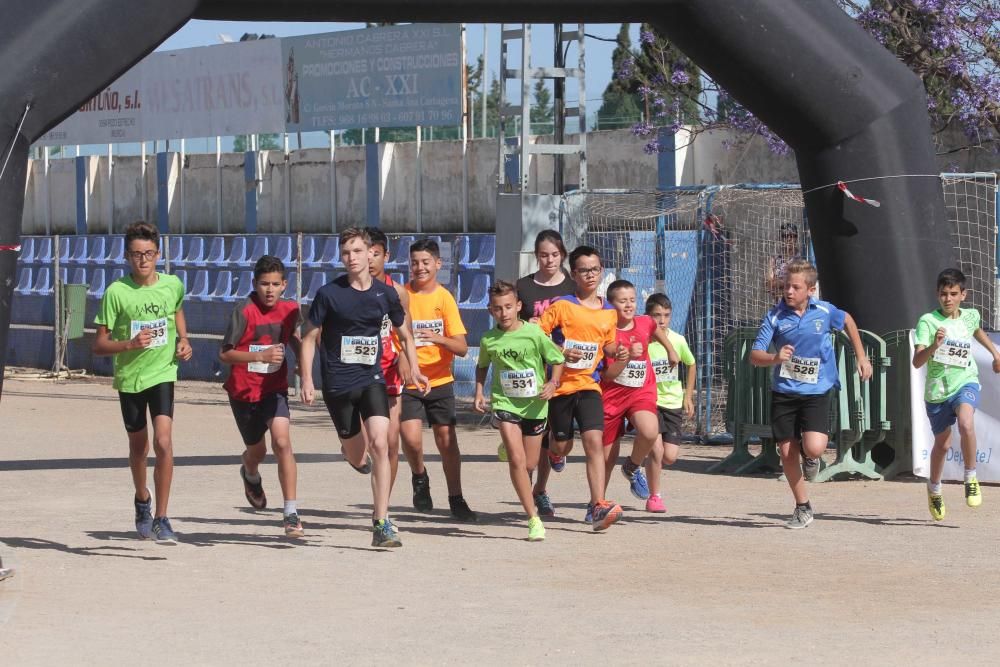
(592, 271)
(148, 255)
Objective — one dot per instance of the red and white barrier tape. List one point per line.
(14, 248)
(843, 188)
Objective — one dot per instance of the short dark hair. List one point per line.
(618, 285)
(352, 233)
(378, 237)
(503, 288)
(951, 278)
(426, 245)
(553, 237)
(583, 251)
(658, 299)
(268, 264)
(789, 229)
(140, 230)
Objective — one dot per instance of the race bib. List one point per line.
(158, 329)
(386, 328)
(801, 369)
(954, 352)
(663, 371)
(519, 384)
(633, 375)
(429, 326)
(589, 351)
(262, 366)
(359, 350)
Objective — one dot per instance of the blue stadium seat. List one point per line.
(316, 280)
(78, 255)
(237, 251)
(223, 287)
(330, 256)
(63, 275)
(309, 251)
(486, 257)
(64, 248)
(479, 293)
(283, 250)
(176, 251)
(43, 282)
(244, 286)
(194, 253)
(399, 252)
(398, 278)
(96, 289)
(23, 281)
(216, 252)
(200, 288)
(116, 274)
(289, 292)
(43, 250)
(463, 252)
(258, 250)
(182, 275)
(116, 254)
(98, 251)
(79, 277)
(27, 255)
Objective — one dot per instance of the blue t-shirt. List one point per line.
(350, 352)
(813, 367)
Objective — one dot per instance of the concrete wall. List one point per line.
(615, 159)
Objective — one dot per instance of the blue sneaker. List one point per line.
(384, 535)
(637, 481)
(162, 531)
(544, 505)
(589, 516)
(144, 518)
(557, 463)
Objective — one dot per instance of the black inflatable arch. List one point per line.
(843, 103)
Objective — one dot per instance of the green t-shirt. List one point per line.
(126, 308)
(518, 359)
(952, 366)
(669, 389)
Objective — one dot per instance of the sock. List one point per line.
(376, 522)
(253, 479)
(630, 467)
(290, 507)
(934, 487)
(805, 506)
(970, 474)
(421, 475)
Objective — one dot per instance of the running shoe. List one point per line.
(460, 509)
(254, 491)
(810, 468)
(605, 514)
(973, 496)
(544, 505)
(422, 501)
(502, 453)
(536, 531)
(589, 516)
(384, 535)
(636, 480)
(557, 463)
(801, 517)
(365, 468)
(655, 504)
(144, 518)
(935, 503)
(162, 531)
(293, 527)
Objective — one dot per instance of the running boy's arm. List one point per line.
(692, 377)
(309, 342)
(411, 371)
(453, 339)
(620, 360)
(923, 353)
(184, 350)
(480, 401)
(985, 341)
(235, 330)
(661, 337)
(403, 360)
(554, 357)
(759, 356)
(864, 365)
(103, 345)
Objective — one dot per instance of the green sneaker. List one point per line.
(536, 531)
(973, 496)
(935, 503)
(384, 535)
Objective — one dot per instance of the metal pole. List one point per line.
(288, 188)
(111, 190)
(525, 107)
(465, 139)
(57, 316)
(218, 184)
(333, 185)
(142, 179)
(482, 81)
(558, 112)
(180, 185)
(420, 184)
(298, 281)
(166, 253)
(48, 192)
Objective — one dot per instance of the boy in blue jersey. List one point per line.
(805, 374)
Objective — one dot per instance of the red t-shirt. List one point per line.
(390, 341)
(252, 325)
(637, 379)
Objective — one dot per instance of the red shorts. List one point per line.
(393, 381)
(615, 414)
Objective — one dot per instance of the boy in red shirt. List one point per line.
(254, 345)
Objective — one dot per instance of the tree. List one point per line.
(541, 106)
(265, 142)
(620, 101)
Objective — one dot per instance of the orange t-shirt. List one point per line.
(590, 329)
(436, 312)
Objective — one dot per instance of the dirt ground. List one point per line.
(718, 578)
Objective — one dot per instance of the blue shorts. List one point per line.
(944, 414)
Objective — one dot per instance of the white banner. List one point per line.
(987, 422)
(112, 116)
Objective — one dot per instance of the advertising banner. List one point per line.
(109, 117)
(393, 76)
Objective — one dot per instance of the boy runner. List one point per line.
(346, 318)
(805, 374)
(673, 400)
(536, 291)
(254, 346)
(519, 393)
(587, 327)
(943, 341)
(394, 365)
(439, 335)
(142, 325)
(628, 387)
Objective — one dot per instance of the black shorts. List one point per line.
(795, 414)
(529, 427)
(671, 424)
(438, 405)
(252, 419)
(585, 407)
(158, 399)
(349, 408)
